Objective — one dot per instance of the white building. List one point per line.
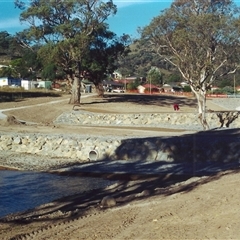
(9, 81)
(28, 84)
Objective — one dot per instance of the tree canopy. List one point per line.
(67, 32)
(201, 39)
(9, 46)
(154, 74)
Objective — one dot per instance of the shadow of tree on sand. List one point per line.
(196, 159)
(141, 99)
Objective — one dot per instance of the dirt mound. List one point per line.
(11, 120)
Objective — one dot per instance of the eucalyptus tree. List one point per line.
(201, 39)
(102, 55)
(64, 29)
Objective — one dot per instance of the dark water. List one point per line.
(20, 191)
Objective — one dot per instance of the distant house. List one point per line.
(111, 85)
(150, 87)
(10, 81)
(28, 84)
(167, 88)
(120, 78)
(117, 75)
(141, 89)
(44, 84)
(238, 88)
(87, 86)
(213, 88)
(130, 79)
(183, 84)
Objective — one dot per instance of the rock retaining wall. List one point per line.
(169, 120)
(71, 147)
(200, 147)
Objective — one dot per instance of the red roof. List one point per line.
(150, 86)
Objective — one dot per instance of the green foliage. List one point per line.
(8, 72)
(154, 76)
(100, 59)
(72, 35)
(133, 85)
(5, 41)
(187, 89)
(228, 90)
(224, 82)
(224, 90)
(140, 59)
(22, 62)
(8, 45)
(49, 72)
(173, 78)
(66, 27)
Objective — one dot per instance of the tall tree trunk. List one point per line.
(76, 86)
(76, 91)
(201, 101)
(100, 89)
(99, 85)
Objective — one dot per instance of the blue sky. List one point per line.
(131, 15)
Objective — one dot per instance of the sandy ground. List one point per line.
(43, 116)
(205, 207)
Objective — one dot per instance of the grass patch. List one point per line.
(8, 94)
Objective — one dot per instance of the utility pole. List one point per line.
(150, 84)
(125, 84)
(234, 85)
